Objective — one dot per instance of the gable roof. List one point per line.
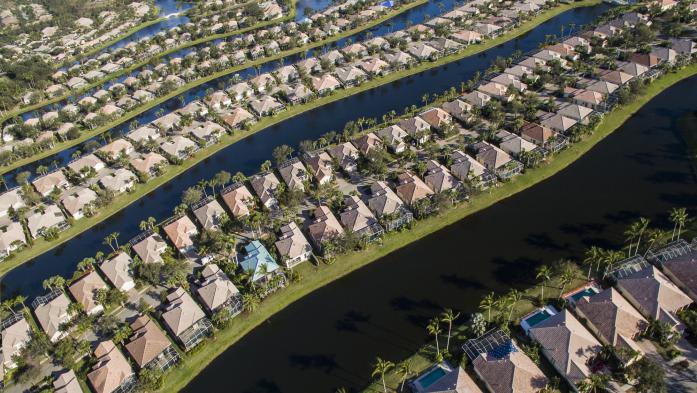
(85, 290)
(118, 270)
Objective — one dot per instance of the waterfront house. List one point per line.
(411, 189)
(350, 75)
(11, 199)
(496, 90)
(116, 148)
(355, 50)
(148, 163)
(444, 45)
(654, 295)
(238, 199)
(194, 109)
(324, 228)
(79, 202)
(521, 72)
(346, 155)
(143, 134)
(261, 267)
(112, 373)
(12, 237)
(422, 51)
(502, 366)
(119, 181)
(181, 232)
(632, 68)
(67, 382)
(373, 65)
(264, 185)
(682, 270)
(368, 142)
(683, 46)
(85, 290)
(309, 66)
(466, 37)
(118, 271)
(209, 213)
(438, 178)
(476, 98)
(320, 164)
(287, 74)
(393, 136)
(510, 81)
(263, 83)
(517, 146)
(497, 160)
(388, 207)
(149, 347)
(292, 246)
(207, 132)
(218, 100)
(85, 164)
(398, 60)
(668, 55)
(217, 292)
(358, 219)
(185, 320)
(417, 128)
(237, 118)
(615, 76)
(575, 111)
(44, 185)
(613, 320)
(44, 218)
(487, 29)
(569, 347)
(168, 122)
(296, 93)
(150, 249)
(437, 118)
(178, 146)
(603, 87)
(557, 122)
(265, 106)
(458, 109)
(588, 98)
(543, 136)
(51, 312)
(333, 57)
(15, 334)
(240, 91)
(325, 84)
(294, 174)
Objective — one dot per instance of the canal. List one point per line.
(330, 338)
(248, 154)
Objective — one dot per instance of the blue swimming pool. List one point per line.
(432, 376)
(538, 317)
(586, 292)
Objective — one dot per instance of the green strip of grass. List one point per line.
(123, 201)
(317, 277)
(182, 89)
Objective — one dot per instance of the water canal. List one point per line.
(248, 154)
(330, 338)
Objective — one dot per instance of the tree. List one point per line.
(42, 170)
(596, 383)
(148, 225)
(544, 274)
(85, 264)
(406, 370)
(567, 277)
(54, 282)
(592, 257)
(222, 178)
(678, 216)
(381, 368)
(150, 379)
(250, 302)
(434, 330)
(514, 296)
(448, 316)
(192, 195)
(122, 333)
(281, 154)
(112, 240)
(649, 376)
(487, 304)
(265, 166)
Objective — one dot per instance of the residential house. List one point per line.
(469, 170)
(367, 143)
(442, 378)
(350, 75)
(118, 271)
(265, 106)
(437, 118)
(324, 84)
(261, 267)
(411, 189)
(264, 185)
(393, 136)
(682, 270)
(497, 161)
(238, 199)
(116, 148)
(557, 122)
(422, 51)
(217, 292)
(543, 136)
(518, 147)
(292, 246)
(149, 347)
(185, 320)
(44, 218)
(207, 132)
(11, 199)
(476, 98)
(168, 122)
(85, 292)
(150, 249)
(51, 312)
(575, 111)
(237, 118)
(112, 372)
(120, 181)
(178, 146)
(67, 382)
(417, 128)
(79, 202)
(324, 228)
(181, 232)
(358, 219)
(497, 90)
(148, 163)
(86, 163)
(346, 155)
(209, 213)
(143, 134)
(12, 237)
(44, 185)
(438, 178)
(15, 334)
(294, 174)
(458, 109)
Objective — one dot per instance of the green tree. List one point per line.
(433, 329)
(448, 316)
(544, 273)
(380, 368)
(405, 370)
(649, 376)
(678, 216)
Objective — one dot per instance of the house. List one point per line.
(458, 109)
(180, 233)
(393, 136)
(79, 202)
(85, 290)
(683, 46)
(438, 178)
(287, 74)
(668, 55)
(502, 366)
(86, 163)
(437, 118)
(569, 347)
(168, 122)
(543, 136)
(292, 246)
(265, 106)
(185, 320)
(422, 51)
(497, 160)
(218, 100)
(118, 271)
(44, 185)
(116, 148)
(654, 295)
(178, 146)
(210, 214)
(238, 199)
(149, 347)
(615, 76)
(325, 84)
(411, 189)
(469, 170)
(358, 219)
(324, 228)
(15, 333)
(67, 382)
(487, 29)
(333, 57)
(150, 249)
(11, 199)
(207, 132)
(112, 372)
(346, 155)
(373, 65)
(633, 69)
(575, 111)
(515, 145)
(613, 320)
(493, 89)
(12, 237)
(476, 98)
(217, 292)
(367, 143)
(143, 134)
(263, 82)
(237, 118)
(466, 37)
(603, 87)
(399, 60)
(261, 267)
(417, 128)
(588, 98)
(320, 164)
(682, 270)
(45, 218)
(294, 174)
(148, 163)
(51, 312)
(350, 75)
(119, 181)
(510, 81)
(296, 93)
(194, 109)
(240, 91)
(557, 122)
(264, 185)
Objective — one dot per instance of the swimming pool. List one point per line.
(590, 291)
(432, 376)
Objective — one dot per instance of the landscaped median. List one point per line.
(188, 86)
(314, 277)
(123, 201)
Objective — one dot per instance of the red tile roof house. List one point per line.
(325, 227)
(683, 272)
(180, 232)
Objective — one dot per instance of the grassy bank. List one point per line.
(316, 277)
(123, 201)
(188, 86)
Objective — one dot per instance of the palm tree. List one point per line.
(612, 257)
(597, 383)
(631, 233)
(567, 277)
(250, 302)
(487, 304)
(592, 257)
(405, 369)
(148, 225)
(111, 240)
(434, 330)
(678, 216)
(448, 316)
(643, 223)
(543, 274)
(514, 296)
(381, 367)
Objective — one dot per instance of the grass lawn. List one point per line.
(314, 277)
(469, 51)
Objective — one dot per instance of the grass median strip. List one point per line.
(314, 277)
(123, 201)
